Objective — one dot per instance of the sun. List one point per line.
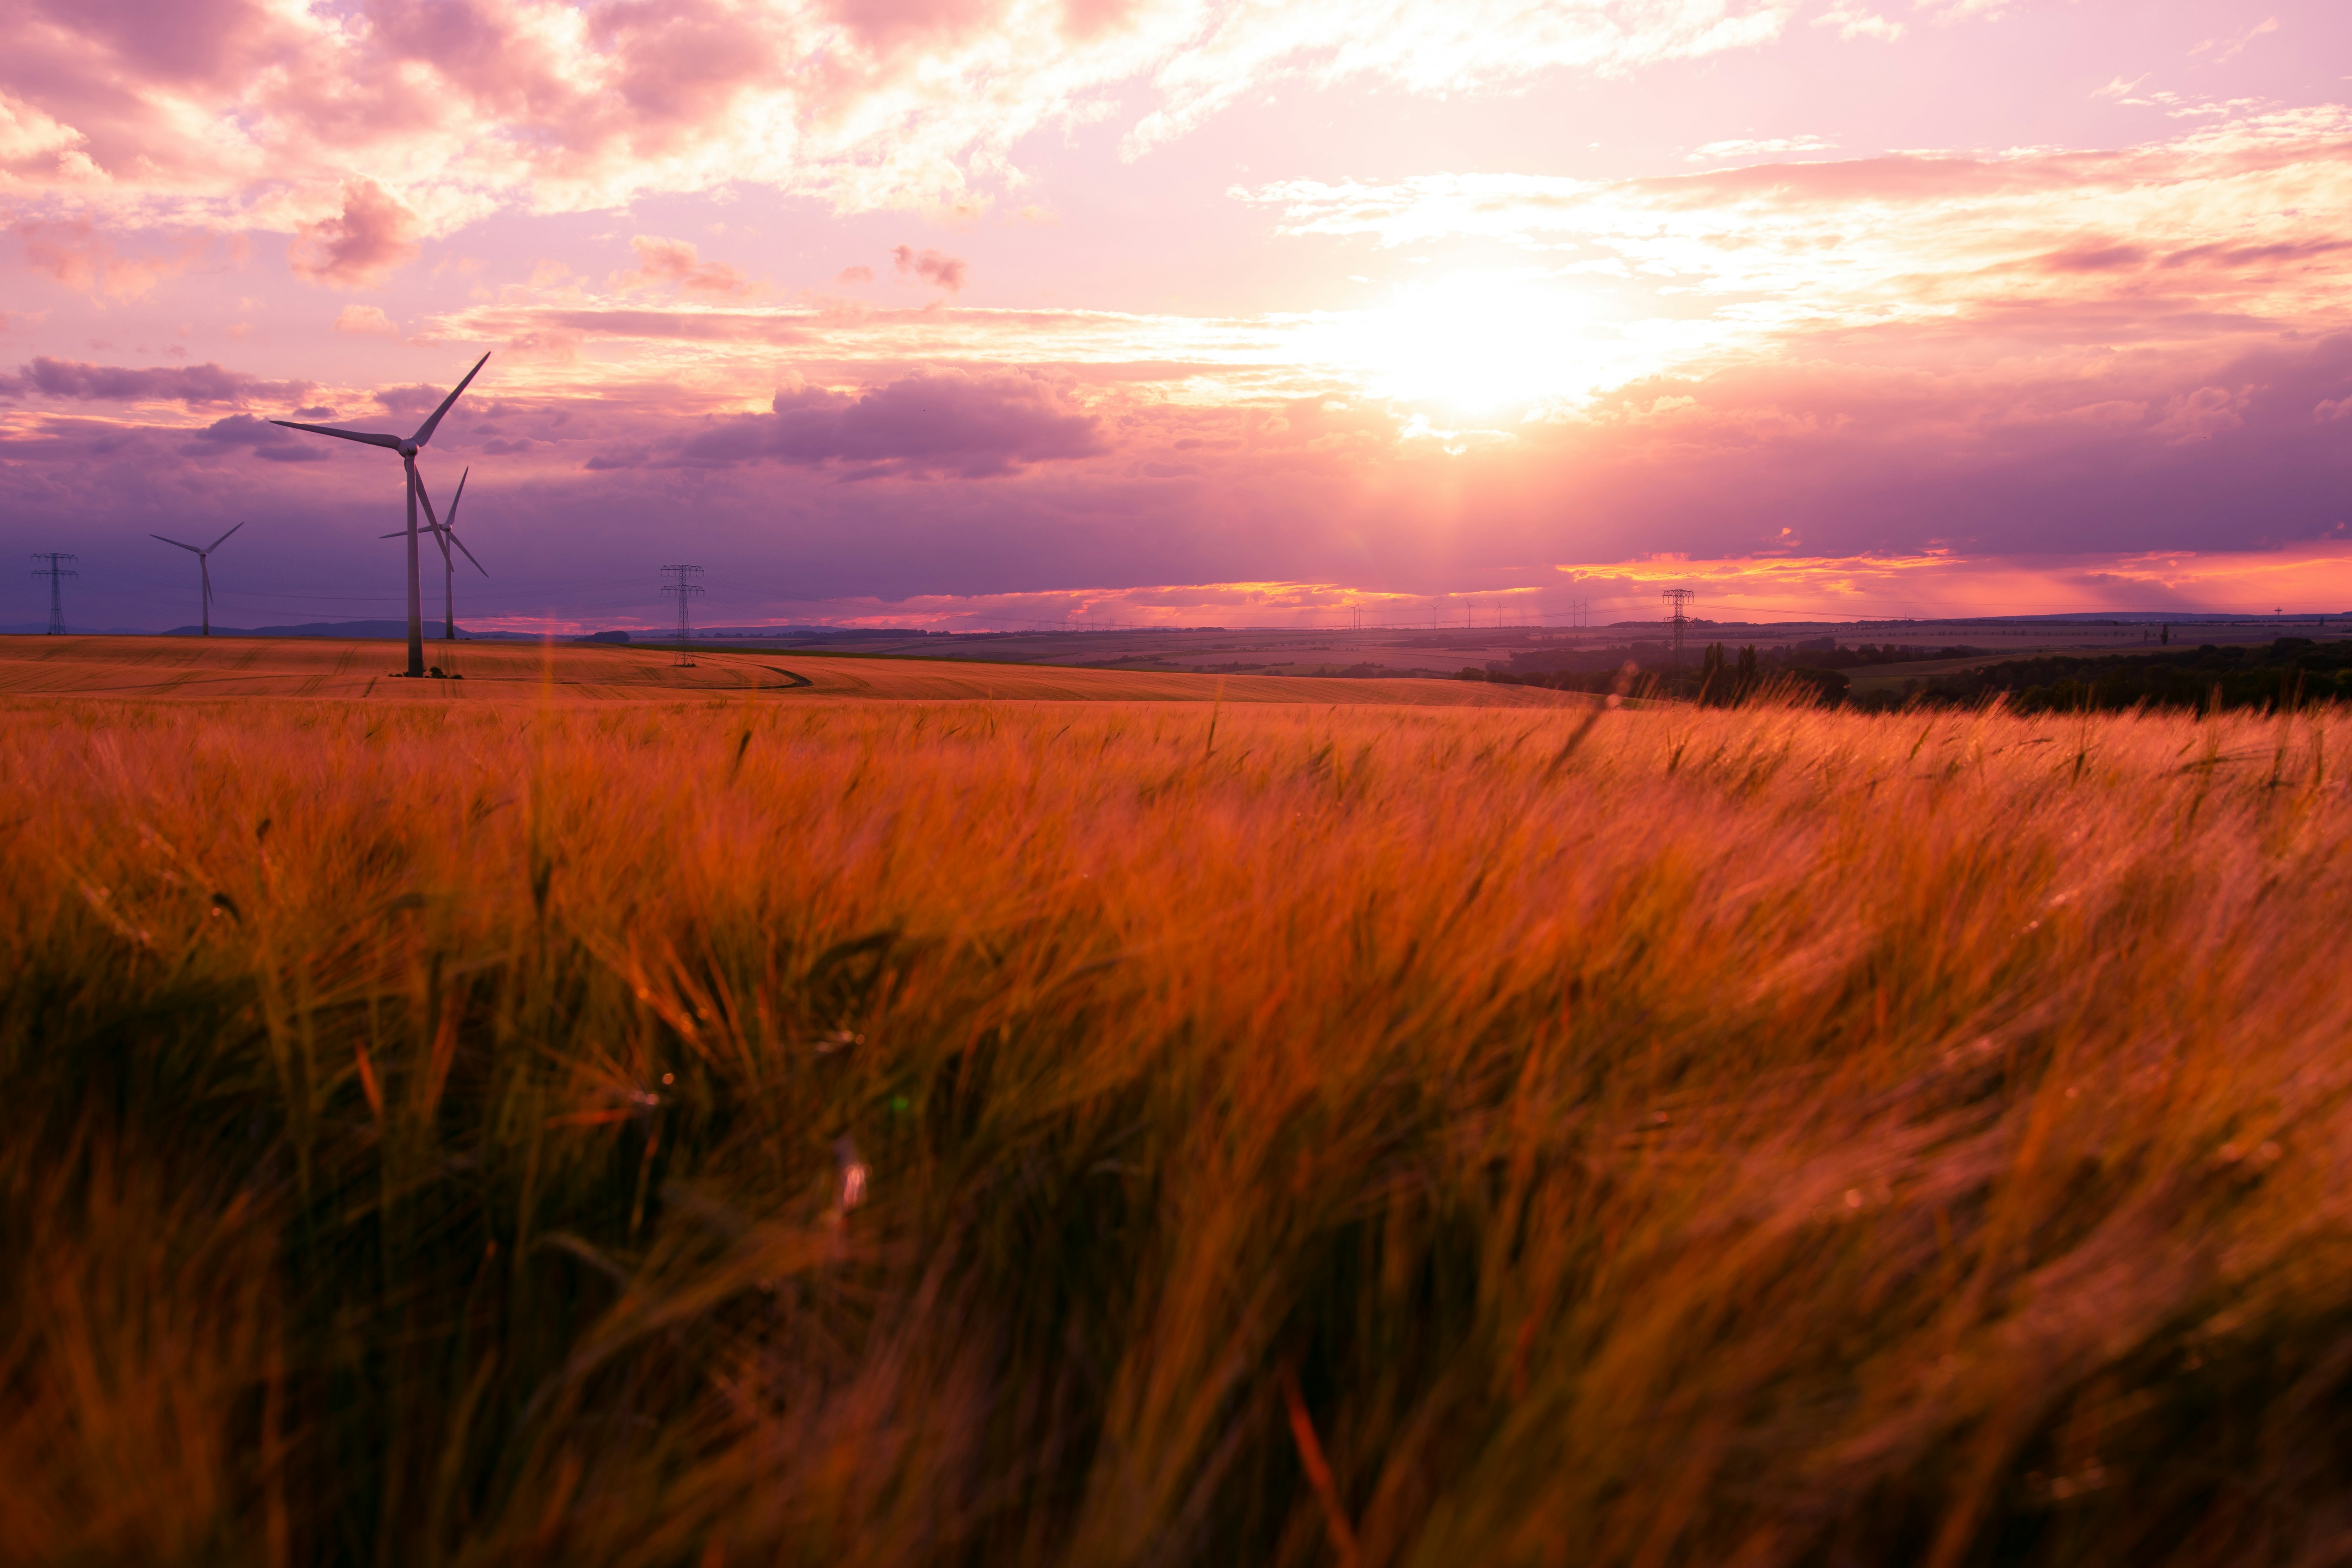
(1481, 343)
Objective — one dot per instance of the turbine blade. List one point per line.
(216, 543)
(470, 554)
(459, 495)
(424, 431)
(418, 480)
(439, 529)
(371, 439)
(199, 552)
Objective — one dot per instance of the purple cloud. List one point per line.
(261, 438)
(191, 384)
(971, 426)
(417, 399)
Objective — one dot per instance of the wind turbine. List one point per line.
(408, 450)
(447, 533)
(204, 566)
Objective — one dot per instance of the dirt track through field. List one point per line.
(320, 667)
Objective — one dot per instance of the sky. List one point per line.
(973, 314)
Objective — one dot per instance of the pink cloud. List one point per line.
(2218, 229)
(366, 322)
(686, 324)
(931, 266)
(76, 253)
(680, 65)
(675, 261)
(256, 111)
(1597, 593)
(34, 144)
(1091, 18)
(878, 24)
(859, 331)
(373, 233)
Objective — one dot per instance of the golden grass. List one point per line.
(318, 667)
(905, 1132)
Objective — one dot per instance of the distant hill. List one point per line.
(792, 633)
(399, 629)
(394, 629)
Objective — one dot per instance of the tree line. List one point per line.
(2288, 672)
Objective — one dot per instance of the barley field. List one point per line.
(738, 1127)
(177, 668)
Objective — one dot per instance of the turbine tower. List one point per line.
(204, 569)
(408, 449)
(56, 572)
(447, 533)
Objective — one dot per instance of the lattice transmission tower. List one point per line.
(57, 574)
(1679, 618)
(682, 587)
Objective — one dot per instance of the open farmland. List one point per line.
(490, 671)
(752, 1125)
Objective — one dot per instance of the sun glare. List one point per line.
(1480, 342)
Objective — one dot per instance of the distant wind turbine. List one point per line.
(204, 569)
(447, 533)
(408, 450)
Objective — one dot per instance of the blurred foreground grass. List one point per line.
(1075, 1134)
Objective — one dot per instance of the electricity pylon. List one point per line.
(682, 589)
(1680, 599)
(56, 572)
